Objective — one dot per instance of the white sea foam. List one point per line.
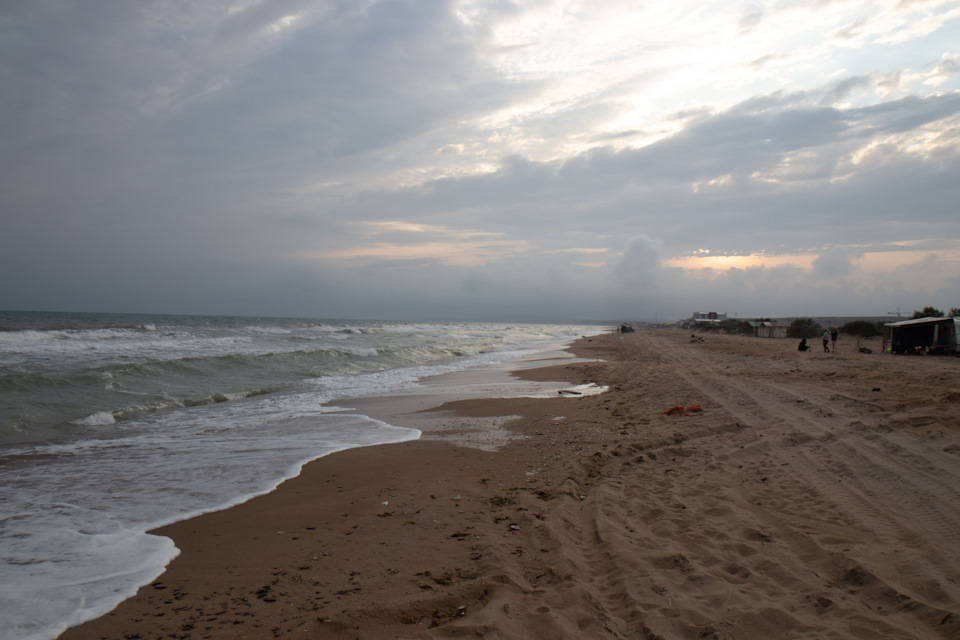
(99, 418)
(74, 540)
(69, 349)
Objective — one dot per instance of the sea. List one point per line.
(114, 424)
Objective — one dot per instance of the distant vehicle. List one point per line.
(923, 336)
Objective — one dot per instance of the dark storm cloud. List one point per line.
(649, 187)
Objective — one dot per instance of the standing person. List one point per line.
(833, 338)
(826, 341)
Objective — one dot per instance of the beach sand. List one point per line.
(815, 496)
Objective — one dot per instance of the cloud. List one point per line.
(384, 158)
(836, 263)
(947, 68)
(640, 262)
(750, 18)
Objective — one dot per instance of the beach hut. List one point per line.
(923, 335)
(767, 329)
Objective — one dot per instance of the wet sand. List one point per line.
(814, 496)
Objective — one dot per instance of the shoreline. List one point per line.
(424, 411)
(799, 503)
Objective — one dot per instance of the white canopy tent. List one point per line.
(923, 335)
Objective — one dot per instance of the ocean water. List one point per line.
(112, 425)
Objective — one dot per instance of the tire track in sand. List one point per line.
(766, 495)
(794, 506)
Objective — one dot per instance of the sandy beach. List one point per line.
(815, 495)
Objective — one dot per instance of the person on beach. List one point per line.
(834, 335)
(826, 341)
(803, 346)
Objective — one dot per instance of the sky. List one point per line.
(480, 159)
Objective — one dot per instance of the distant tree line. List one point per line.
(863, 328)
(730, 325)
(933, 312)
(809, 328)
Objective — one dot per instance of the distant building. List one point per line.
(704, 318)
(709, 316)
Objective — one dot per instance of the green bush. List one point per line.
(928, 312)
(862, 328)
(804, 328)
(730, 325)
(737, 327)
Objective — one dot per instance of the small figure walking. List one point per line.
(834, 335)
(826, 341)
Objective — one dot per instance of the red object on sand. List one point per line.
(681, 410)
